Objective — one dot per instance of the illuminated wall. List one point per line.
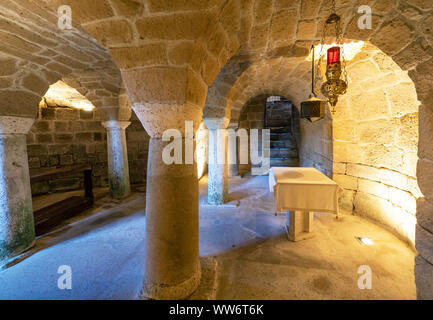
(202, 141)
(68, 131)
(375, 143)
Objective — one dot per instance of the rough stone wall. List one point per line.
(316, 145)
(375, 143)
(137, 141)
(67, 136)
(252, 117)
(35, 53)
(104, 90)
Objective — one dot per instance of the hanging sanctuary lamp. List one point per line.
(335, 86)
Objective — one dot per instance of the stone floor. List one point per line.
(105, 249)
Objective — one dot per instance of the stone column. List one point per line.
(172, 224)
(217, 164)
(232, 153)
(17, 230)
(118, 167)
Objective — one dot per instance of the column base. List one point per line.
(18, 252)
(213, 202)
(119, 191)
(160, 291)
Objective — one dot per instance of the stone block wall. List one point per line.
(253, 114)
(252, 117)
(375, 144)
(66, 136)
(316, 145)
(137, 141)
(202, 146)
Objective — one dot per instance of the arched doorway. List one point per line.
(281, 118)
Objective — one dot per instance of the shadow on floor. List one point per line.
(104, 212)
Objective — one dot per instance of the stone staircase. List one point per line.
(283, 151)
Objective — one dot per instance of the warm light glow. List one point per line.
(201, 150)
(83, 105)
(350, 50)
(63, 95)
(366, 241)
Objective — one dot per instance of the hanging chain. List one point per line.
(333, 6)
(319, 77)
(334, 19)
(339, 41)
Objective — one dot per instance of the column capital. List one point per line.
(15, 125)
(156, 118)
(113, 113)
(216, 123)
(233, 125)
(115, 124)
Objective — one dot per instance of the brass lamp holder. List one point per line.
(335, 86)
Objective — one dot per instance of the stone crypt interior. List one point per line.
(84, 111)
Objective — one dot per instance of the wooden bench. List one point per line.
(50, 217)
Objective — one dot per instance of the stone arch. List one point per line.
(105, 90)
(401, 29)
(36, 53)
(324, 144)
(177, 47)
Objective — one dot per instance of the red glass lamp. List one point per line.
(333, 55)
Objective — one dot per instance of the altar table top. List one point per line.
(303, 189)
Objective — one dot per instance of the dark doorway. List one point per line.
(280, 119)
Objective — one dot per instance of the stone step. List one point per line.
(293, 162)
(281, 129)
(276, 136)
(291, 144)
(278, 122)
(283, 153)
